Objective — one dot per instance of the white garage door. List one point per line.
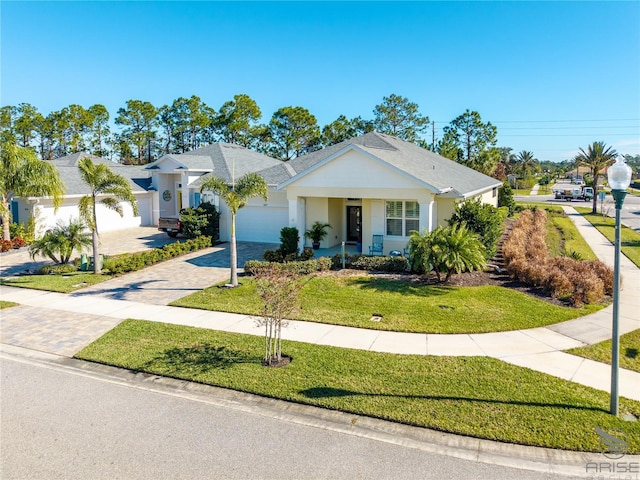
(261, 224)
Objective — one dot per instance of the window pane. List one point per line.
(411, 225)
(412, 210)
(394, 227)
(394, 209)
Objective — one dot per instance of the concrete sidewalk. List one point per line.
(64, 324)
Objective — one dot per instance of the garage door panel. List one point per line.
(261, 224)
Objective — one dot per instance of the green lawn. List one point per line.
(601, 352)
(66, 283)
(563, 237)
(405, 307)
(474, 396)
(629, 238)
(4, 304)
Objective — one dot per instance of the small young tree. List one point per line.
(279, 289)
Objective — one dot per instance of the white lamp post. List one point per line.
(619, 175)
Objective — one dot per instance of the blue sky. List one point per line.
(552, 76)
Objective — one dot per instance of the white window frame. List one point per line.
(403, 218)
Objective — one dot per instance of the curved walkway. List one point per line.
(63, 324)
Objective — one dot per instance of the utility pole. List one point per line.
(433, 135)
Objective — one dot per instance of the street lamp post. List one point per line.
(619, 176)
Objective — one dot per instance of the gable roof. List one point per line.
(224, 160)
(446, 176)
(67, 166)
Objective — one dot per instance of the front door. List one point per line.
(354, 230)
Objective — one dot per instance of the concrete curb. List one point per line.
(538, 459)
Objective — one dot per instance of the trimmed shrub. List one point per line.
(254, 267)
(18, 242)
(5, 245)
(289, 240)
(380, 264)
(199, 221)
(273, 256)
(57, 269)
(130, 262)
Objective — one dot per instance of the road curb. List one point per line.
(485, 451)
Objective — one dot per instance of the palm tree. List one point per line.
(596, 158)
(526, 162)
(23, 175)
(59, 242)
(236, 196)
(456, 249)
(102, 182)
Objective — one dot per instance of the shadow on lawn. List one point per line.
(201, 359)
(329, 392)
(403, 287)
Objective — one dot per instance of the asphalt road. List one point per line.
(57, 424)
(629, 215)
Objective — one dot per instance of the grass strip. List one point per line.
(601, 352)
(629, 238)
(568, 236)
(404, 307)
(5, 304)
(475, 396)
(65, 283)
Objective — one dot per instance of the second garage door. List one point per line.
(261, 224)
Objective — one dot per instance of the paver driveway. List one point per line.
(170, 280)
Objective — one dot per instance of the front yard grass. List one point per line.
(629, 238)
(65, 283)
(5, 304)
(474, 396)
(601, 352)
(405, 307)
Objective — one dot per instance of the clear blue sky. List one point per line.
(552, 76)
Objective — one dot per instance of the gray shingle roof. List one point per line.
(430, 168)
(221, 159)
(139, 178)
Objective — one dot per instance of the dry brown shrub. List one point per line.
(536, 274)
(604, 273)
(557, 283)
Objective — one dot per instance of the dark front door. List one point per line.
(354, 230)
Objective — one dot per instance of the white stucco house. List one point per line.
(24, 208)
(374, 184)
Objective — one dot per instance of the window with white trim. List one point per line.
(402, 217)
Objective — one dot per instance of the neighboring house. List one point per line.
(75, 188)
(368, 185)
(178, 177)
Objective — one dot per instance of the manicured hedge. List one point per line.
(300, 268)
(130, 262)
(358, 261)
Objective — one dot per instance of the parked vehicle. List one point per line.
(171, 225)
(572, 192)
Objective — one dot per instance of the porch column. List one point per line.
(184, 181)
(297, 217)
(427, 212)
